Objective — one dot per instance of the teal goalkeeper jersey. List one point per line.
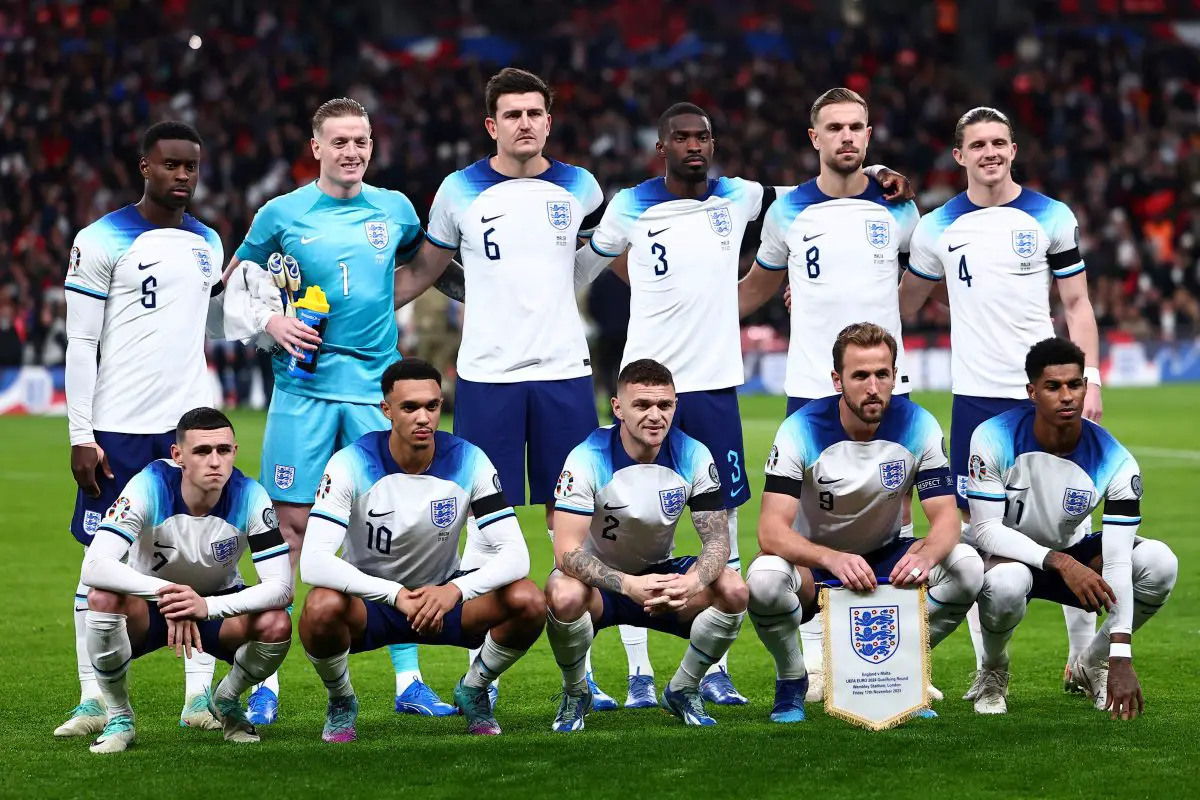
(349, 248)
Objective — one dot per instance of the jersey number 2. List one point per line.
(610, 524)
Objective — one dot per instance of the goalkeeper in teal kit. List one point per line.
(347, 237)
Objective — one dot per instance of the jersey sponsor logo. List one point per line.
(951, 248)
(976, 468)
(559, 214)
(324, 486)
(808, 238)
(1077, 501)
(772, 458)
(310, 239)
(225, 550)
(284, 476)
(608, 507)
(91, 522)
(878, 234)
(377, 234)
(1135, 484)
(270, 518)
(73, 261)
(444, 512)
(721, 221)
(373, 514)
(875, 632)
(1024, 243)
(652, 234)
(119, 510)
(485, 220)
(203, 260)
(672, 501)
(891, 474)
(566, 482)
(142, 266)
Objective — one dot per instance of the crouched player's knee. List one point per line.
(770, 585)
(323, 606)
(566, 597)
(272, 626)
(106, 601)
(964, 577)
(1003, 597)
(730, 592)
(1155, 570)
(525, 601)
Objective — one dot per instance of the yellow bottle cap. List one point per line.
(314, 300)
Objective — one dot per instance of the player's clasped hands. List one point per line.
(292, 335)
(179, 602)
(184, 636)
(673, 594)
(852, 570)
(426, 607)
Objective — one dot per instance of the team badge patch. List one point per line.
(444, 512)
(496, 482)
(203, 261)
(322, 488)
(284, 476)
(270, 518)
(559, 214)
(73, 261)
(377, 234)
(1024, 243)
(891, 474)
(977, 469)
(875, 632)
(1077, 501)
(713, 474)
(91, 522)
(119, 510)
(878, 234)
(720, 221)
(772, 458)
(1135, 484)
(672, 501)
(566, 482)
(224, 550)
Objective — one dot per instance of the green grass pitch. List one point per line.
(1049, 744)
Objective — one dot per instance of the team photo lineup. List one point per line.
(516, 497)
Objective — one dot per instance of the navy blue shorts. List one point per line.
(882, 561)
(713, 419)
(387, 626)
(210, 633)
(967, 414)
(128, 454)
(622, 610)
(1049, 585)
(549, 418)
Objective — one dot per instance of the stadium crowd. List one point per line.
(1107, 121)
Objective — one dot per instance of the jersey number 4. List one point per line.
(964, 274)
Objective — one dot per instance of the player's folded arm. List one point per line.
(104, 569)
(993, 537)
(509, 562)
(274, 588)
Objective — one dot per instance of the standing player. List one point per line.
(347, 237)
(839, 473)
(184, 524)
(997, 246)
(398, 500)
(842, 245)
(620, 495)
(138, 289)
(1034, 474)
(524, 393)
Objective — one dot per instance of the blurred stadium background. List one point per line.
(1104, 94)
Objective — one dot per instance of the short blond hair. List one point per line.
(864, 335)
(338, 107)
(834, 96)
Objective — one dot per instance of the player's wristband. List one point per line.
(1120, 650)
(1092, 374)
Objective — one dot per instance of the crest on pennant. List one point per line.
(225, 550)
(559, 214)
(878, 234)
(1077, 501)
(874, 632)
(891, 474)
(203, 260)
(377, 234)
(444, 512)
(284, 476)
(1024, 243)
(721, 221)
(672, 501)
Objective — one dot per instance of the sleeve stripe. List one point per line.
(490, 518)
(1068, 272)
(1063, 259)
(114, 529)
(1108, 519)
(709, 501)
(486, 506)
(439, 243)
(985, 496)
(902, 258)
(70, 287)
(329, 518)
(572, 510)
(265, 540)
(765, 265)
(412, 248)
(920, 274)
(595, 249)
(777, 484)
(281, 550)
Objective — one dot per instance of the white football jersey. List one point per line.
(852, 493)
(997, 264)
(843, 257)
(1046, 496)
(405, 528)
(634, 507)
(516, 240)
(168, 542)
(155, 284)
(683, 274)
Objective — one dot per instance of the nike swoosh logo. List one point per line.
(307, 239)
(607, 507)
(148, 266)
(371, 513)
(486, 220)
(826, 481)
(656, 233)
(958, 246)
(162, 546)
(737, 492)
(816, 236)
(1016, 488)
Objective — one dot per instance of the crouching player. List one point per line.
(619, 497)
(184, 526)
(398, 501)
(1034, 475)
(842, 468)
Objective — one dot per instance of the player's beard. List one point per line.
(843, 168)
(869, 417)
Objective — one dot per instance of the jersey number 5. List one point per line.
(149, 298)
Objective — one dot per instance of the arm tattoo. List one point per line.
(713, 529)
(591, 570)
(452, 283)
